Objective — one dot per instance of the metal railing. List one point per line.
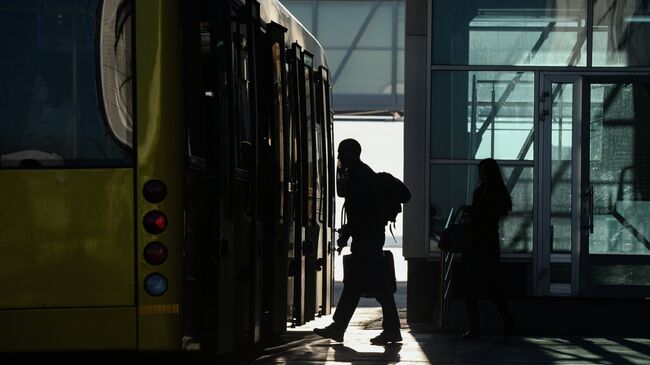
(446, 264)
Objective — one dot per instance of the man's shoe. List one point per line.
(385, 338)
(330, 332)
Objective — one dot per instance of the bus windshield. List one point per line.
(65, 83)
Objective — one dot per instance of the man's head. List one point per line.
(349, 152)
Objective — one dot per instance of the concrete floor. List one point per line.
(422, 346)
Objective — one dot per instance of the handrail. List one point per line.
(446, 262)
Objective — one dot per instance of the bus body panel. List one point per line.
(68, 329)
(161, 142)
(67, 238)
(73, 240)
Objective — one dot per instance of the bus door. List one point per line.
(208, 260)
(270, 88)
(259, 150)
(243, 204)
(298, 185)
(311, 242)
(326, 207)
(288, 143)
(200, 187)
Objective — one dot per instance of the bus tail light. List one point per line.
(155, 253)
(155, 284)
(155, 222)
(154, 191)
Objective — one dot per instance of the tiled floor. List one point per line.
(423, 346)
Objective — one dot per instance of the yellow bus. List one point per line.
(166, 175)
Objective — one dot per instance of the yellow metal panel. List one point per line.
(68, 329)
(161, 145)
(66, 238)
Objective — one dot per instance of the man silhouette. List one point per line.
(366, 269)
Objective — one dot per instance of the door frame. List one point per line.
(543, 256)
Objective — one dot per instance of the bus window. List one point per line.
(243, 129)
(309, 127)
(200, 93)
(279, 106)
(61, 102)
(320, 163)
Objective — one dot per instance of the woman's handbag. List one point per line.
(456, 237)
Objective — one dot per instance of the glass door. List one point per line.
(594, 185)
(558, 174)
(616, 186)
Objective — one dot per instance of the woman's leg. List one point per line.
(471, 298)
(497, 294)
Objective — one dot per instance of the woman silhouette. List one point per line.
(490, 201)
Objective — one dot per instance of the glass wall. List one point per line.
(618, 169)
(621, 32)
(486, 57)
(541, 33)
(475, 115)
(452, 185)
(509, 32)
(364, 44)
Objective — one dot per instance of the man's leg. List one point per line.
(346, 305)
(344, 311)
(390, 322)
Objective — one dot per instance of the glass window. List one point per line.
(364, 79)
(360, 76)
(400, 72)
(53, 109)
(400, 25)
(509, 32)
(516, 229)
(309, 129)
(619, 169)
(621, 32)
(278, 88)
(619, 275)
(475, 115)
(453, 185)
(379, 32)
(561, 166)
(303, 11)
(343, 19)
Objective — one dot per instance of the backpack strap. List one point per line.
(390, 228)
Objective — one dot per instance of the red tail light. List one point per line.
(155, 253)
(154, 191)
(155, 222)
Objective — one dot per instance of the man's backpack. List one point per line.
(392, 193)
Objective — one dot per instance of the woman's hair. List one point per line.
(494, 184)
